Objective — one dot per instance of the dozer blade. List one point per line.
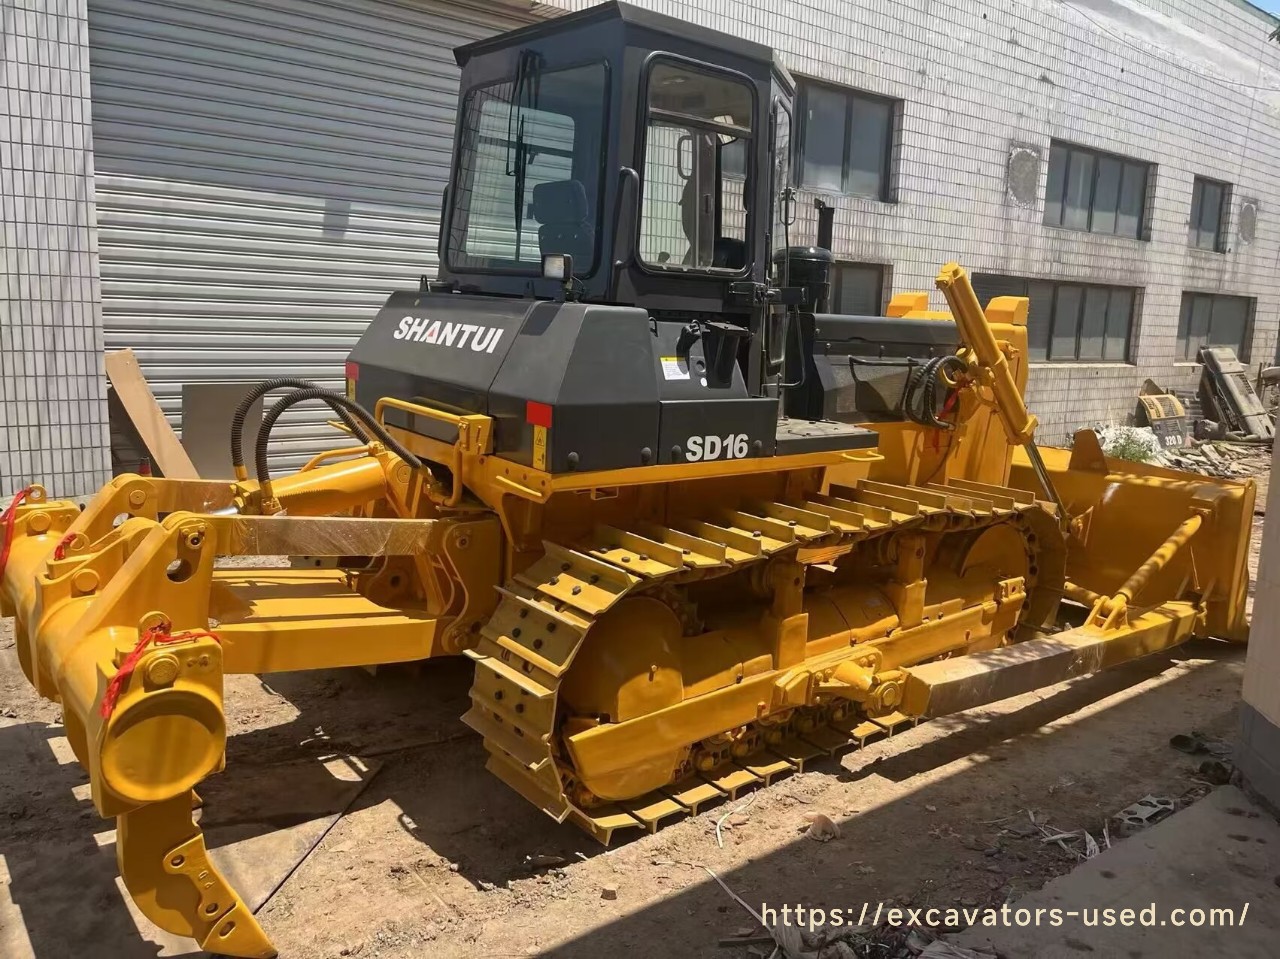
(1123, 511)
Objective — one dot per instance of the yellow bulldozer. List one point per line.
(694, 530)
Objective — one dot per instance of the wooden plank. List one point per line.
(148, 419)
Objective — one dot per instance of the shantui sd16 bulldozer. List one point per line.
(694, 530)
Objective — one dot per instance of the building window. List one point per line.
(1209, 203)
(1208, 319)
(1096, 192)
(857, 289)
(846, 141)
(1069, 322)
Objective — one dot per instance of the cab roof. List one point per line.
(627, 13)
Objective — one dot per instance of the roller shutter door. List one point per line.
(1039, 293)
(266, 171)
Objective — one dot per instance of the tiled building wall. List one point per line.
(53, 414)
(1192, 86)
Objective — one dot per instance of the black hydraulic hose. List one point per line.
(920, 397)
(262, 389)
(336, 401)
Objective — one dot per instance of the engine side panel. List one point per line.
(857, 366)
(571, 387)
(439, 346)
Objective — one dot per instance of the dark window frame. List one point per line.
(1141, 233)
(881, 269)
(1245, 348)
(1049, 311)
(888, 191)
(1224, 213)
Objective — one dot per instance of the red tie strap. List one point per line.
(6, 521)
(60, 551)
(155, 636)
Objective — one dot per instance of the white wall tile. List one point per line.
(49, 438)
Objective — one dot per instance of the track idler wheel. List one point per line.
(628, 667)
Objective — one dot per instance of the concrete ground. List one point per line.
(1220, 853)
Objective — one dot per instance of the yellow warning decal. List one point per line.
(540, 447)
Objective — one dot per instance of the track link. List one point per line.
(545, 612)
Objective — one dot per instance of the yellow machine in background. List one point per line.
(645, 640)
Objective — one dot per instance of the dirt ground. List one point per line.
(431, 857)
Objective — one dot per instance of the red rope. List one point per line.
(7, 521)
(157, 636)
(60, 551)
(947, 407)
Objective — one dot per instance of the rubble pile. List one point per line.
(1225, 458)
(1220, 458)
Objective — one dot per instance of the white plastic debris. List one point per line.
(1135, 443)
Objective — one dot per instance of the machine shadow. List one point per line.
(60, 892)
(408, 718)
(433, 772)
(691, 921)
(487, 830)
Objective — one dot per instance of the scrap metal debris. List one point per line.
(1061, 837)
(884, 941)
(1147, 810)
(945, 950)
(1220, 458)
(1090, 845)
(1216, 772)
(1228, 395)
(1195, 743)
(539, 862)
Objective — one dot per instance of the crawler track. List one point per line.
(546, 611)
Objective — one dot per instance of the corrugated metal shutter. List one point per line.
(1040, 293)
(990, 285)
(266, 171)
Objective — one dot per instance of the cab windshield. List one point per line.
(529, 170)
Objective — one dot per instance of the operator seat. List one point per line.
(730, 253)
(561, 210)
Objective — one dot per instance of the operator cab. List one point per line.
(613, 283)
(626, 140)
